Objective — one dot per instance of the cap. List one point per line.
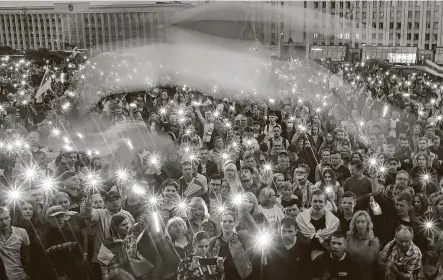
(392, 159)
(283, 153)
(111, 196)
(56, 210)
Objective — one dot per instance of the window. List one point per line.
(305, 4)
(380, 25)
(381, 3)
(409, 25)
(428, 14)
(391, 36)
(315, 35)
(417, 14)
(399, 4)
(408, 36)
(347, 36)
(341, 5)
(435, 25)
(391, 13)
(316, 5)
(426, 46)
(365, 4)
(323, 4)
(380, 36)
(427, 36)
(382, 14)
(332, 5)
(434, 46)
(435, 37)
(341, 15)
(417, 25)
(391, 25)
(410, 3)
(374, 36)
(363, 15)
(364, 36)
(415, 36)
(374, 15)
(374, 25)
(398, 14)
(358, 4)
(357, 25)
(398, 36)
(428, 25)
(410, 14)
(398, 25)
(348, 4)
(357, 36)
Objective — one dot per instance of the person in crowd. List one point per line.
(316, 225)
(103, 218)
(273, 213)
(431, 268)
(401, 258)
(363, 247)
(292, 209)
(198, 218)
(233, 245)
(283, 166)
(286, 260)
(248, 184)
(14, 247)
(324, 163)
(329, 184)
(359, 184)
(206, 167)
(195, 265)
(303, 186)
(231, 177)
(347, 211)
(341, 171)
(65, 247)
(422, 210)
(190, 186)
(336, 264)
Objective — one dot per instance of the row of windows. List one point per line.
(364, 4)
(416, 25)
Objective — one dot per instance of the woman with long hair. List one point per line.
(122, 243)
(254, 209)
(421, 207)
(191, 267)
(231, 177)
(272, 212)
(233, 245)
(329, 184)
(414, 137)
(423, 178)
(363, 246)
(198, 218)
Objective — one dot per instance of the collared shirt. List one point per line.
(10, 253)
(408, 262)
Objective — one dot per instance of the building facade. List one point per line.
(95, 28)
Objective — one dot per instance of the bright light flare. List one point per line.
(14, 195)
(385, 110)
(263, 240)
(48, 184)
(163, 111)
(156, 219)
(56, 132)
(137, 189)
(238, 199)
(267, 167)
(122, 174)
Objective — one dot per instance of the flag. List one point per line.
(336, 80)
(44, 86)
(433, 68)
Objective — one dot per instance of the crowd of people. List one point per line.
(318, 182)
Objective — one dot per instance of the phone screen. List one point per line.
(208, 261)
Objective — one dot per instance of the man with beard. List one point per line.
(247, 181)
(404, 153)
(336, 264)
(316, 225)
(286, 260)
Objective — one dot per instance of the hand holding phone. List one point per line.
(208, 261)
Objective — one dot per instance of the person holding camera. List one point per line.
(198, 265)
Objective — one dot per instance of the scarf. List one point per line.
(308, 230)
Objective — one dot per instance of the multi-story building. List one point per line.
(94, 26)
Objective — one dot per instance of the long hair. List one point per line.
(333, 176)
(199, 200)
(173, 220)
(369, 226)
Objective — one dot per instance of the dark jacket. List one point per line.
(286, 264)
(327, 268)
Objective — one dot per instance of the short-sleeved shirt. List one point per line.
(10, 253)
(409, 263)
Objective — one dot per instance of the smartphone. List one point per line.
(208, 261)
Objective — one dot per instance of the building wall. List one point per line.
(378, 23)
(97, 28)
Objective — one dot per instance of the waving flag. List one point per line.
(74, 53)
(44, 86)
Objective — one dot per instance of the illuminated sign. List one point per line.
(335, 53)
(392, 54)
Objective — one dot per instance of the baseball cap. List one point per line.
(57, 210)
(283, 153)
(111, 196)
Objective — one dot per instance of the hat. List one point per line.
(56, 210)
(111, 196)
(283, 153)
(225, 100)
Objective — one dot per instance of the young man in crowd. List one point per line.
(346, 212)
(359, 184)
(336, 264)
(14, 247)
(341, 172)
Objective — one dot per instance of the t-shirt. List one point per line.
(359, 186)
(271, 216)
(10, 253)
